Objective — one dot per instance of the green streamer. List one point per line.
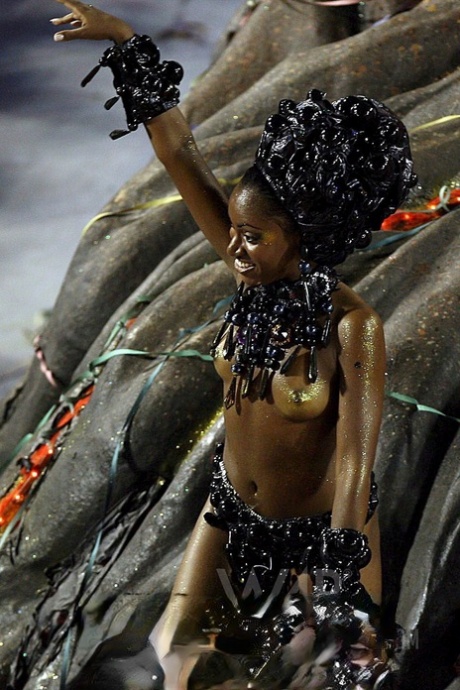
(420, 408)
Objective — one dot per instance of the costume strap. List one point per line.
(146, 86)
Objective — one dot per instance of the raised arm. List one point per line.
(169, 133)
(175, 147)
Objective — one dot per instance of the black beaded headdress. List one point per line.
(339, 168)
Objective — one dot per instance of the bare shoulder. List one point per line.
(358, 323)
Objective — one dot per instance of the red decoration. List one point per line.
(402, 221)
(39, 458)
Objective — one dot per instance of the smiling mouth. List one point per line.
(243, 266)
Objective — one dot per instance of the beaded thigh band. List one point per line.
(267, 547)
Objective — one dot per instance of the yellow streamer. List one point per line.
(139, 207)
(155, 203)
(433, 123)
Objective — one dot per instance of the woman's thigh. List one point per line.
(198, 588)
(371, 575)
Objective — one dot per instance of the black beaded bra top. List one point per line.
(265, 321)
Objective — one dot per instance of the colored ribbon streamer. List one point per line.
(155, 203)
(448, 199)
(29, 436)
(394, 238)
(30, 475)
(420, 408)
(67, 651)
(139, 207)
(433, 123)
(46, 371)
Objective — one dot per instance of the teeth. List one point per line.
(243, 264)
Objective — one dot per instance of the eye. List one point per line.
(250, 238)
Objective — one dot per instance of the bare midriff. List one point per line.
(280, 452)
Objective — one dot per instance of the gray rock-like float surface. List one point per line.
(412, 62)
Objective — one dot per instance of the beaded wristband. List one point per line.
(146, 86)
(344, 547)
(343, 553)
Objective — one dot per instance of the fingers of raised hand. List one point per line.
(79, 32)
(90, 23)
(67, 19)
(73, 20)
(78, 18)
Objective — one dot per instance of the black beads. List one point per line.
(230, 397)
(288, 361)
(229, 347)
(217, 339)
(146, 86)
(263, 385)
(111, 102)
(266, 321)
(338, 167)
(326, 334)
(313, 365)
(90, 76)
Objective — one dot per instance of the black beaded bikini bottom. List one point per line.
(263, 551)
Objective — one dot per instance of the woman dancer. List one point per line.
(301, 356)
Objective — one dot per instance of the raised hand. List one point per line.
(90, 23)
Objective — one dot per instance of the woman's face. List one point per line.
(262, 250)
